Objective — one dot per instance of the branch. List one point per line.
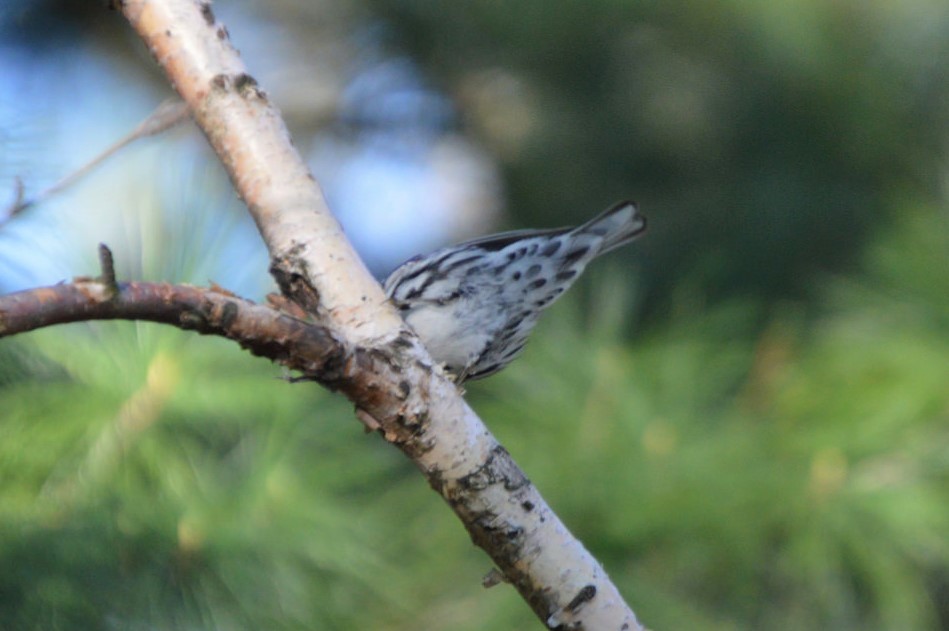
(502, 510)
(389, 375)
(311, 259)
(168, 114)
(262, 330)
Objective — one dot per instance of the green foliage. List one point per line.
(727, 478)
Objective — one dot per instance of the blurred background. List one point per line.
(744, 415)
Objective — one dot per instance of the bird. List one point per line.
(474, 305)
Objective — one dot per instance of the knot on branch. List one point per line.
(295, 286)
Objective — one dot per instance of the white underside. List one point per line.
(455, 346)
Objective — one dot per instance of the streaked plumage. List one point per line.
(474, 305)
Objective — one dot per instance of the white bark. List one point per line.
(390, 379)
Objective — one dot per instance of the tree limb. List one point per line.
(262, 330)
(386, 373)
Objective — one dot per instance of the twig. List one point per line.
(168, 114)
(108, 270)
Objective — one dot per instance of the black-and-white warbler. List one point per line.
(473, 305)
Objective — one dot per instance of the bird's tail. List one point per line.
(619, 224)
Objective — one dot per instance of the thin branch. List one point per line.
(262, 330)
(168, 114)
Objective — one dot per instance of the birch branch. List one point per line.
(382, 367)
